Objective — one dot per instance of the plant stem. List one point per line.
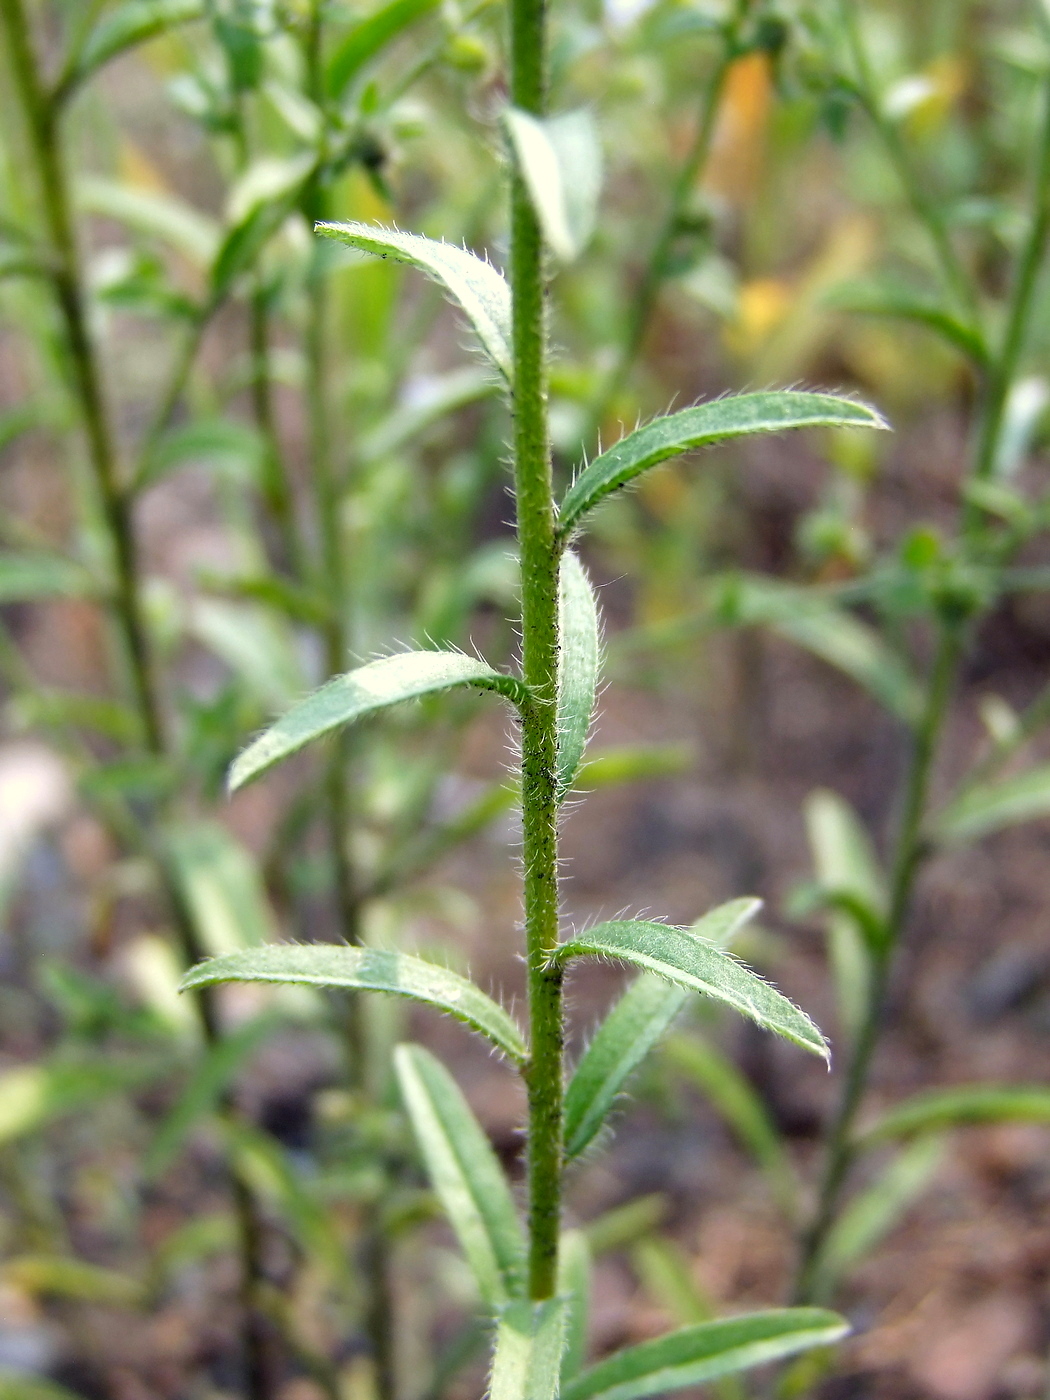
(539, 621)
(907, 857)
(277, 489)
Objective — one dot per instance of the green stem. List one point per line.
(539, 621)
(1001, 377)
(277, 489)
(907, 857)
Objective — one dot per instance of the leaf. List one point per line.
(211, 1076)
(58, 709)
(244, 241)
(31, 1096)
(690, 959)
(55, 1275)
(221, 887)
(231, 449)
(256, 643)
(980, 810)
(559, 159)
(625, 1037)
(836, 636)
(574, 1285)
(893, 298)
(632, 763)
(368, 969)
(577, 667)
(24, 577)
(718, 421)
(529, 1342)
(465, 1174)
(1025, 408)
(154, 214)
(364, 692)
(16, 1385)
(121, 29)
(367, 38)
(694, 1355)
(872, 1214)
(664, 1272)
(844, 861)
(735, 1100)
(941, 1109)
(427, 404)
(479, 289)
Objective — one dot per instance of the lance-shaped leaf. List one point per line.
(896, 299)
(154, 214)
(221, 886)
(559, 159)
(465, 1174)
(16, 1385)
(363, 692)
(367, 970)
(940, 1109)
(577, 667)
(694, 1355)
(574, 1285)
(739, 416)
(25, 577)
(988, 807)
(121, 29)
(369, 37)
(623, 1040)
(687, 958)
(530, 1338)
(479, 289)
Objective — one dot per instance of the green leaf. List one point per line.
(530, 1338)
(479, 289)
(689, 958)
(58, 709)
(244, 241)
(256, 643)
(732, 1096)
(31, 1096)
(153, 214)
(438, 398)
(121, 29)
(367, 969)
(978, 811)
(708, 423)
(59, 1276)
(845, 861)
(577, 667)
(367, 38)
(212, 1074)
(25, 577)
(221, 886)
(574, 1285)
(231, 449)
(465, 1174)
(363, 692)
(632, 763)
(695, 1355)
(872, 1214)
(836, 636)
(623, 1040)
(1023, 415)
(560, 161)
(882, 297)
(16, 1385)
(941, 1109)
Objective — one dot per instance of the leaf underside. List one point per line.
(530, 1338)
(370, 688)
(578, 665)
(368, 969)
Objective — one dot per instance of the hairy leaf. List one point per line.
(708, 423)
(479, 289)
(369, 37)
(559, 159)
(530, 1338)
(367, 969)
(939, 1109)
(623, 1040)
(694, 1355)
(465, 1174)
(577, 667)
(687, 958)
(979, 811)
(363, 692)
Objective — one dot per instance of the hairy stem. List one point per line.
(539, 621)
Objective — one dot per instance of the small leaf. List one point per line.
(871, 1215)
(25, 577)
(367, 969)
(882, 297)
(428, 403)
(940, 1109)
(1025, 411)
(732, 1096)
(687, 958)
(577, 667)
(980, 810)
(632, 763)
(244, 241)
(153, 214)
(221, 886)
(479, 289)
(31, 1096)
(121, 29)
(695, 1355)
(364, 692)
(623, 1040)
(530, 1338)
(16, 1385)
(559, 159)
(708, 423)
(574, 1285)
(369, 37)
(59, 1276)
(231, 449)
(256, 643)
(465, 1174)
